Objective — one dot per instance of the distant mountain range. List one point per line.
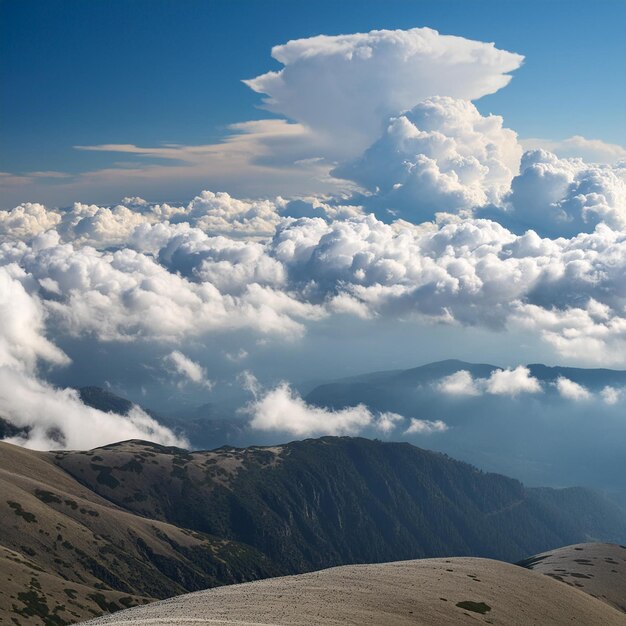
(91, 532)
(540, 438)
(343, 392)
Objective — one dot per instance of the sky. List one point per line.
(210, 201)
(151, 72)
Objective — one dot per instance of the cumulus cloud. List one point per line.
(442, 155)
(339, 90)
(27, 220)
(168, 282)
(282, 409)
(611, 395)
(512, 382)
(564, 197)
(186, 368)
(460, 383)
(571, 390)
(344, 87)
(501, 382)
(48, 417)
(425, 427)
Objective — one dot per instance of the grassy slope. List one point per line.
(68, 553)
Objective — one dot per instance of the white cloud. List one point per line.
(512, 382)
(344, 87)
(168, 282)
(425, 427)
(611, 395)
(281, 409)
(387, 422)
(338, 89)
(563, 197)
(27, 220)
(507, 382)
(571, 390)
(441, 155)
(57, 419)
(189, 370)
(590, 150)
(236, 357)
(460, 383)
(50, 417)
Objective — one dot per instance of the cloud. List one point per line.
(387, 422)
(590, 150)
(256, 159)
(501, 382)
(611, 395)
(460, 383)
(571, 390)
(236, 357)
(339, 90)
(57, 419)
(441, 155)
(564, 197)
(27, 220)
(344, 87)
(49, 417)
(512, 382)
(425, 427)
(163, 275)
(281, 409)
(189, 370)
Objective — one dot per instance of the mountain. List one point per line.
(205, 427)
(91, 532)
(68, 554)
(430, 592)
(343, 392)
(541, 438)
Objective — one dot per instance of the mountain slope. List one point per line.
(67, 553)
(430, 592)
(336, 500)
(545, 436)
(598, 569)
(83, 533)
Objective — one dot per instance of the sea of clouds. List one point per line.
(449, 221)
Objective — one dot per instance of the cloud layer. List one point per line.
(442, 219)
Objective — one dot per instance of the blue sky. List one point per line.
(150, 71)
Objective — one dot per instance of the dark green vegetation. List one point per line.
(329, 501)
(476, 607)
(134, 521)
